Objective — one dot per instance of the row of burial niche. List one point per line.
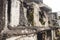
(41, 17)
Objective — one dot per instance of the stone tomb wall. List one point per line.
(24, 37)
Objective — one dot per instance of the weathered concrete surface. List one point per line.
(24, 37)
(36, 15)
(15, 12)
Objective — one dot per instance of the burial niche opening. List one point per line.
(41, 16)
(39, 36)
(30, 17)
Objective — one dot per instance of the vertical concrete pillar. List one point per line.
(25, 13)
(6, 17)
(36, 15)
(53, 34)
(46, 35)
(22, 15)
(25, 16)
(15, 12)
(46, 19)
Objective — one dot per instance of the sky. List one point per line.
(54, 4)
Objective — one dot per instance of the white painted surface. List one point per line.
(15, 12)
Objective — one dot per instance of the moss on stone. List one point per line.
(30, 16)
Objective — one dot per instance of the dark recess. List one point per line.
(9, 10)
